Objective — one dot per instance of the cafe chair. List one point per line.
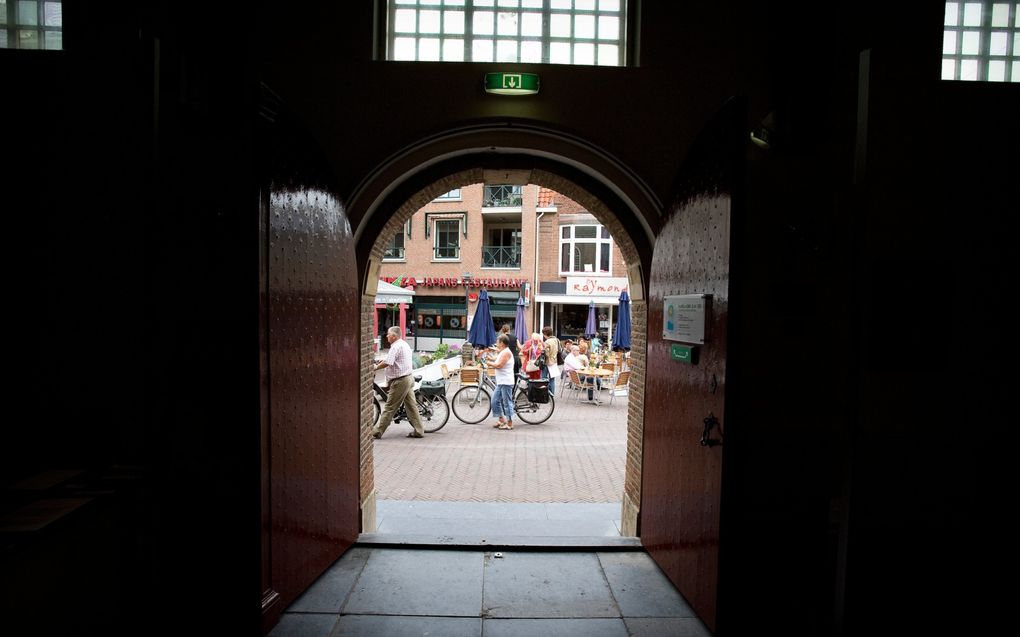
(583, 385)
(449, 376)
(620, 385)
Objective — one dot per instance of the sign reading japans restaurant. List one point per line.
(474, 282)
(596, 286)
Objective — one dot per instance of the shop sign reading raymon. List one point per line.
(596, 286)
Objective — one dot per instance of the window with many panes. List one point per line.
(395, 248)
(981, 41)
(447, 240)
(31, 24)
(453, 195)
(585, 250)
(588, 32)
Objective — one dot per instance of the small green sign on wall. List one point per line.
(684, 353)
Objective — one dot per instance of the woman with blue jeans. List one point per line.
(502, 401)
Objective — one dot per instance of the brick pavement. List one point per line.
(578, 455)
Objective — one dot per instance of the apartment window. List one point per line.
(981, 42)
(587, 32)
(503, 196)
(31, 24)
(502, 248)
(585, 249)
(395, 248)
(453, 195)
(447, 240)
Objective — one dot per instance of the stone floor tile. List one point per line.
(404, 626)
(487, 529)
(666, 627)
(640, 587)
(419, 582)
(328, 592)
(546, 585)
(304, 625)
(584, 511)
(555, 627)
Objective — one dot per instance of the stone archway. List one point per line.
(552, 177)
(610, 191)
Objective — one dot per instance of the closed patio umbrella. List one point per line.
(590, 328)
(482, 333)
(520, 326)
(621, 336)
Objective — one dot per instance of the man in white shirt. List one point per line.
(398, 366)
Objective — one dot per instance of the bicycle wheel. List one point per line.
(376, 410)
(471, 404)
(533, 413)
(435, 411)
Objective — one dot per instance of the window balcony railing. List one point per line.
(501, 256)
(502, 197)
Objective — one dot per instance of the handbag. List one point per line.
(531, 366)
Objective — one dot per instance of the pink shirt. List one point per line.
(398, 361)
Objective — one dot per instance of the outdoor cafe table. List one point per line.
(595, 372)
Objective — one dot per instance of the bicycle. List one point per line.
(432, 405)
(472, 403)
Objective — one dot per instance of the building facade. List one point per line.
(515, 241)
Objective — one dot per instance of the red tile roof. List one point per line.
(545, 198)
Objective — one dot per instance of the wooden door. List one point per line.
(310, 381)
(682, 463)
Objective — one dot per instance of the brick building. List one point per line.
(516, 242)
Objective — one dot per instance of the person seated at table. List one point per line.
(575, 361)
(565, 347)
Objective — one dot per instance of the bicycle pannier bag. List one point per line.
(433, 387)
(538, 391)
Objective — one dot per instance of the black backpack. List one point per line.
(559, 355)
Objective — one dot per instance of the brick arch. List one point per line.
(632, 256)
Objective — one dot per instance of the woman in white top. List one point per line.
(502, 401)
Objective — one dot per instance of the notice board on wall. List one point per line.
(683, 317)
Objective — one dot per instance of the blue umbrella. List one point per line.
(621, 337)
(482, 333)
(520, 327)
(589, 329)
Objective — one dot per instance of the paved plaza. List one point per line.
(577, 456)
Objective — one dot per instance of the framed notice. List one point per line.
(683, 317)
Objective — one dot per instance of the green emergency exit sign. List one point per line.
(682, 353)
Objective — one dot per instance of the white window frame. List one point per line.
(981, 41)
(457, 224)
(44, 26)
(497, 29)
(399, 233)
(601, 243)
(453, 195)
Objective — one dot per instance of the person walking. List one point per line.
(531, 350)
(551, 371)
(398, 365)
(502, 400)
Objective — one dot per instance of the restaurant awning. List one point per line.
(389, 293)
